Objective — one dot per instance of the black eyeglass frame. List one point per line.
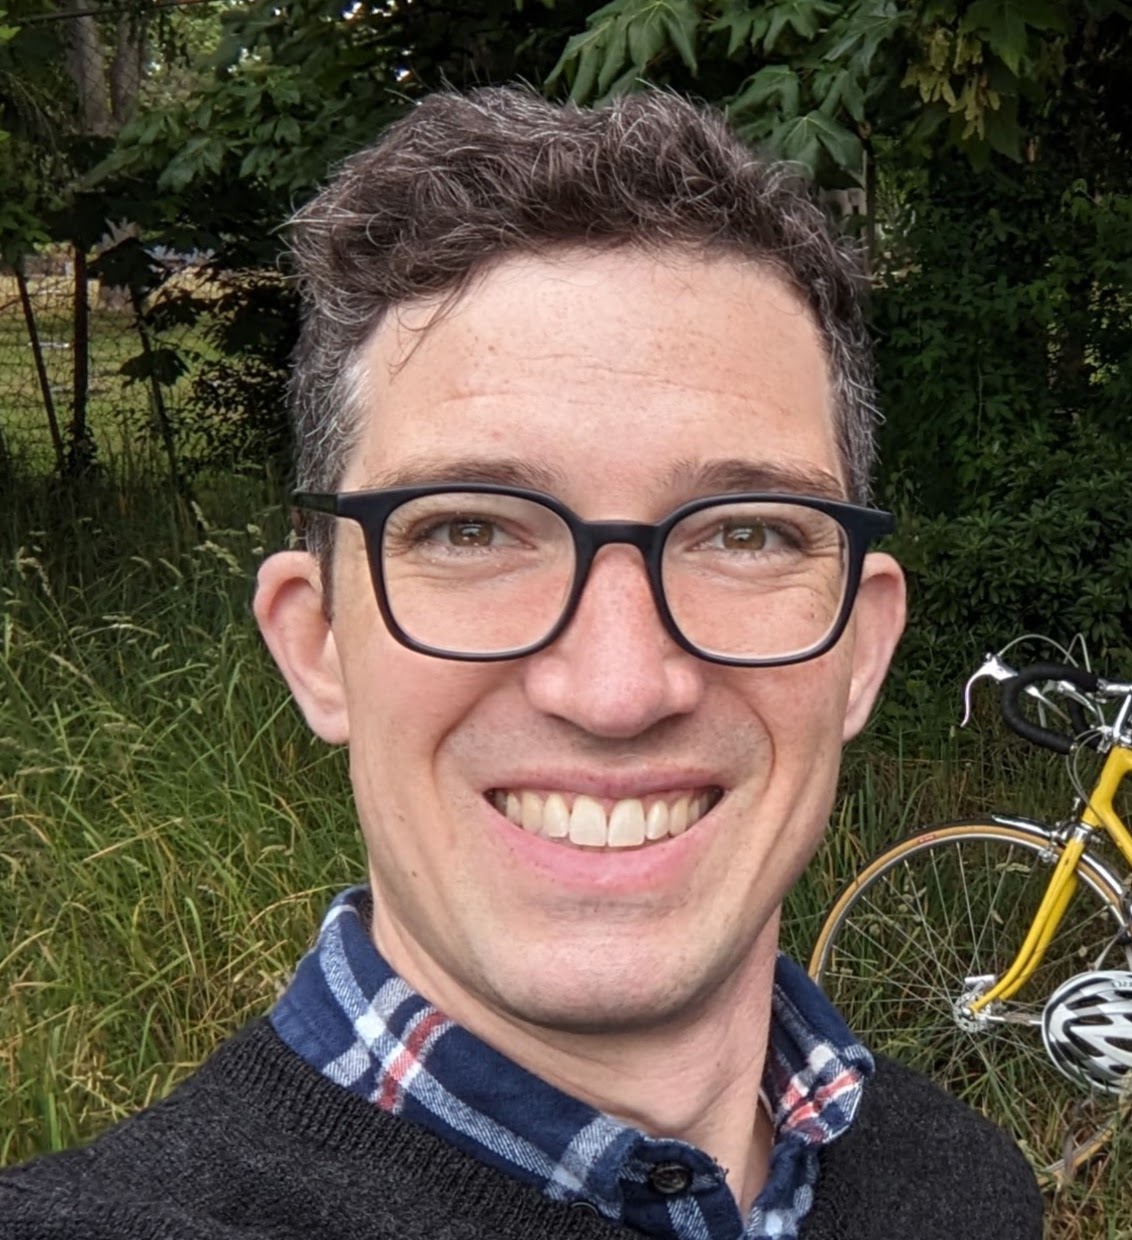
(372, 509)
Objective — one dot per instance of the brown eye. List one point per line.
(749, 536)
(470, 533)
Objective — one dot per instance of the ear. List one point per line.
(878, 621)
(289, 610)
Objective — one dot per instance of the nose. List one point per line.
(615, 671)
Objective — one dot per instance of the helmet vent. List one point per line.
(1087, 1029)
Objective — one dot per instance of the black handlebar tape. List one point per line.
(1083, 730)
(1013, 689)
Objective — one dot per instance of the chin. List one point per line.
(594, 1016)
(572, 996)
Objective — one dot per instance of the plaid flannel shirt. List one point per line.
(348, 1014)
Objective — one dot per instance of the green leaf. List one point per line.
(586, 51)
(804, 17)
(252, 162)
(865, 29)
(805, 138)
(737, 21)
(1003, 23)
(287, 130)
(586, 75)
(838, 90)
(1046, 15)
(843, 146)
(853, 98)
(149, 128)
(776, 26)
(573, 51)
(647, 35)
(628, 81)
(826, 87)
(776, 84)
(189, 161)
(683, 23)
(796, 139)
(1002, 131)
(615, 53)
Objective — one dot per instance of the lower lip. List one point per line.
(611, 871)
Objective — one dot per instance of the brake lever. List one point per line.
(993, 668)
(1066, 690)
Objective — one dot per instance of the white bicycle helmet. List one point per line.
(1087, 1029)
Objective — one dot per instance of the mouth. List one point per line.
(591, 822)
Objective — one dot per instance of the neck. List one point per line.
(698, 1082)
(696, 1079)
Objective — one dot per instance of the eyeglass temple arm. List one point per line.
(316, 503)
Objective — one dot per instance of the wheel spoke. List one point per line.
(909, 945)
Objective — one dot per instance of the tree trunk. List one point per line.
(86, 64)
(127, 67)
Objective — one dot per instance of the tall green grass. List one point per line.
(170, 832)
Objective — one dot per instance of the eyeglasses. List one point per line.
(481, 572)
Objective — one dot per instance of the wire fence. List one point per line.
(97, 376)
(66, 346)
(89, 373)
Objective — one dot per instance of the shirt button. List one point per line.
(586, 1207)
(669, 1178)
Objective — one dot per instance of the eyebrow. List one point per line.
(691, 477)
(740, 474)
(507, 471)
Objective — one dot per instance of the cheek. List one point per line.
(401, 702)
(405, 709)
(395, 697)
(802, 708)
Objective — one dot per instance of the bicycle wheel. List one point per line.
(924, 926)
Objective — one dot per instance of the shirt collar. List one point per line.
(349, 1015)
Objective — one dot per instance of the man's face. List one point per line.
(618, 383)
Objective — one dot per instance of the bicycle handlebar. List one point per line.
(1012, 689)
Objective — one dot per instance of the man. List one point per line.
(583, 419)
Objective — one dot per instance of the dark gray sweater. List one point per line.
(257, 1145)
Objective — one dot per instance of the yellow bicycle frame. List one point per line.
(1098, 815)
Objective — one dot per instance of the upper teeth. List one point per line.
(587, 822)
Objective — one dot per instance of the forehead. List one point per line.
(615, 373)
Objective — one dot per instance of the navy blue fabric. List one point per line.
(348, 1014)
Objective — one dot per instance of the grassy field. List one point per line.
(157, 874)
(170, 834)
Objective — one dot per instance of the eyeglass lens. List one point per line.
(474, 573)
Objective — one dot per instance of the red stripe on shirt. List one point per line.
(406, 1059)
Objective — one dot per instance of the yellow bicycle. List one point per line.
(996, 954)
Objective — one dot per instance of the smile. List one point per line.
(590, 823)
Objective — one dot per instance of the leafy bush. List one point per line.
(1005, 350)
